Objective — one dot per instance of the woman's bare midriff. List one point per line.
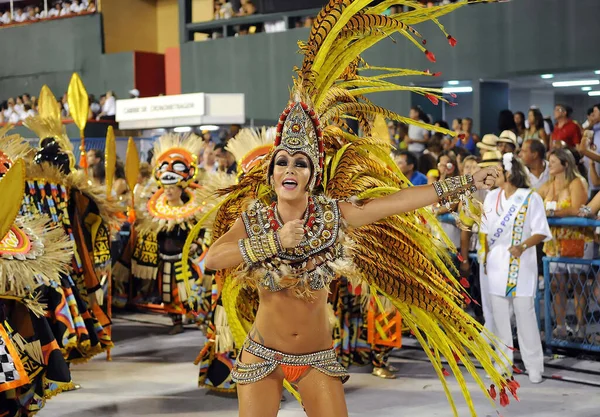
(292, 325)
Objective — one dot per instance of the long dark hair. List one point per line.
(506, 121)
(539, 119)
(522, 124)
(422, 115)
(518, 175)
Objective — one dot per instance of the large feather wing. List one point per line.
(401, 259)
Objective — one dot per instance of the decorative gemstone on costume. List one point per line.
(320, 244)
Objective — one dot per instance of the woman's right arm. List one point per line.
(225, 253)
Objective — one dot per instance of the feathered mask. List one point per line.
(176, 159)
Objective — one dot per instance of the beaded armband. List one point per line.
(454, 189)
(257, 249)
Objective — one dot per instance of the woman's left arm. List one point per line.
(408, 199)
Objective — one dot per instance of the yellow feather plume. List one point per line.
(110, 159)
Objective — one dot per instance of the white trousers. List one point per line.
(530, 343)
(486, 302)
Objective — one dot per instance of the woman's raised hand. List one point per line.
(486, 178)
(291, 234)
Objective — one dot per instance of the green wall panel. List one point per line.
(495, 41)
(49, 52)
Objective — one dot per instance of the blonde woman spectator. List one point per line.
(91, 8)
(564, 194)
(223, 9)
(514, 223)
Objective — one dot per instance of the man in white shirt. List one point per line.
(66, 9)
(533, 154)
(109, 107)
(76, 7)
(5, 18)
(54, 12)
(20, 16)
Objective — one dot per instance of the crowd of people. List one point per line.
(37, 13)
(559, 162)
(16, 109)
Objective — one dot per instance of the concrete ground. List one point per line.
(152, 374)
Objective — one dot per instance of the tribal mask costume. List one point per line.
(33, 255)
(161, 229)
(55, 189)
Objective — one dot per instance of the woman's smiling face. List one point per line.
(291, 175)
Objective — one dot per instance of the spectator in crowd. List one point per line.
(247, 9)
(536, 128)
(591, 139)
(434, 147)
(408, 164)
(5, 18)
(563, 195)
(40, 14)
(109, 108)
(520, 123)
(65, 106)
(506, 121)
(66, 8)
(533, 154)
(20, 16)
(134, 93)
(94, 157)
(120, 190)
(223, 9)
(28, 111)
(209, 163)
(76, 7)
(507, 142)
(225, 160)
(466, 138)
(55, 11)
(448, 167)
(95, 107)
(417, 137)
(91, 7)
(457, 125)
(206, 136)
(489, 142)
(565, 130)
(511, 265)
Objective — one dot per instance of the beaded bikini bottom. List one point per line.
(293, 366)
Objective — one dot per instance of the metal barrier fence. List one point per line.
(568, 299)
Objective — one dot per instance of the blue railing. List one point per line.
(581, 281)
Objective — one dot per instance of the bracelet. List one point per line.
(257, 249)
(455, 188)
(585, 210)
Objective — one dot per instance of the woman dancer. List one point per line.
(317, 217)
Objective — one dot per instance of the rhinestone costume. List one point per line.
(324, 361)
(322, 246)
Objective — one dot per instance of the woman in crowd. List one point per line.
(564, 194)
(514, 223)
(520, 123)
(536, 127)
(467, 139)
(418, 136)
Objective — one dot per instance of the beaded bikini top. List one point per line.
(311, 265)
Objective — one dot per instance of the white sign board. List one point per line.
(181, 110)
(161, 107)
